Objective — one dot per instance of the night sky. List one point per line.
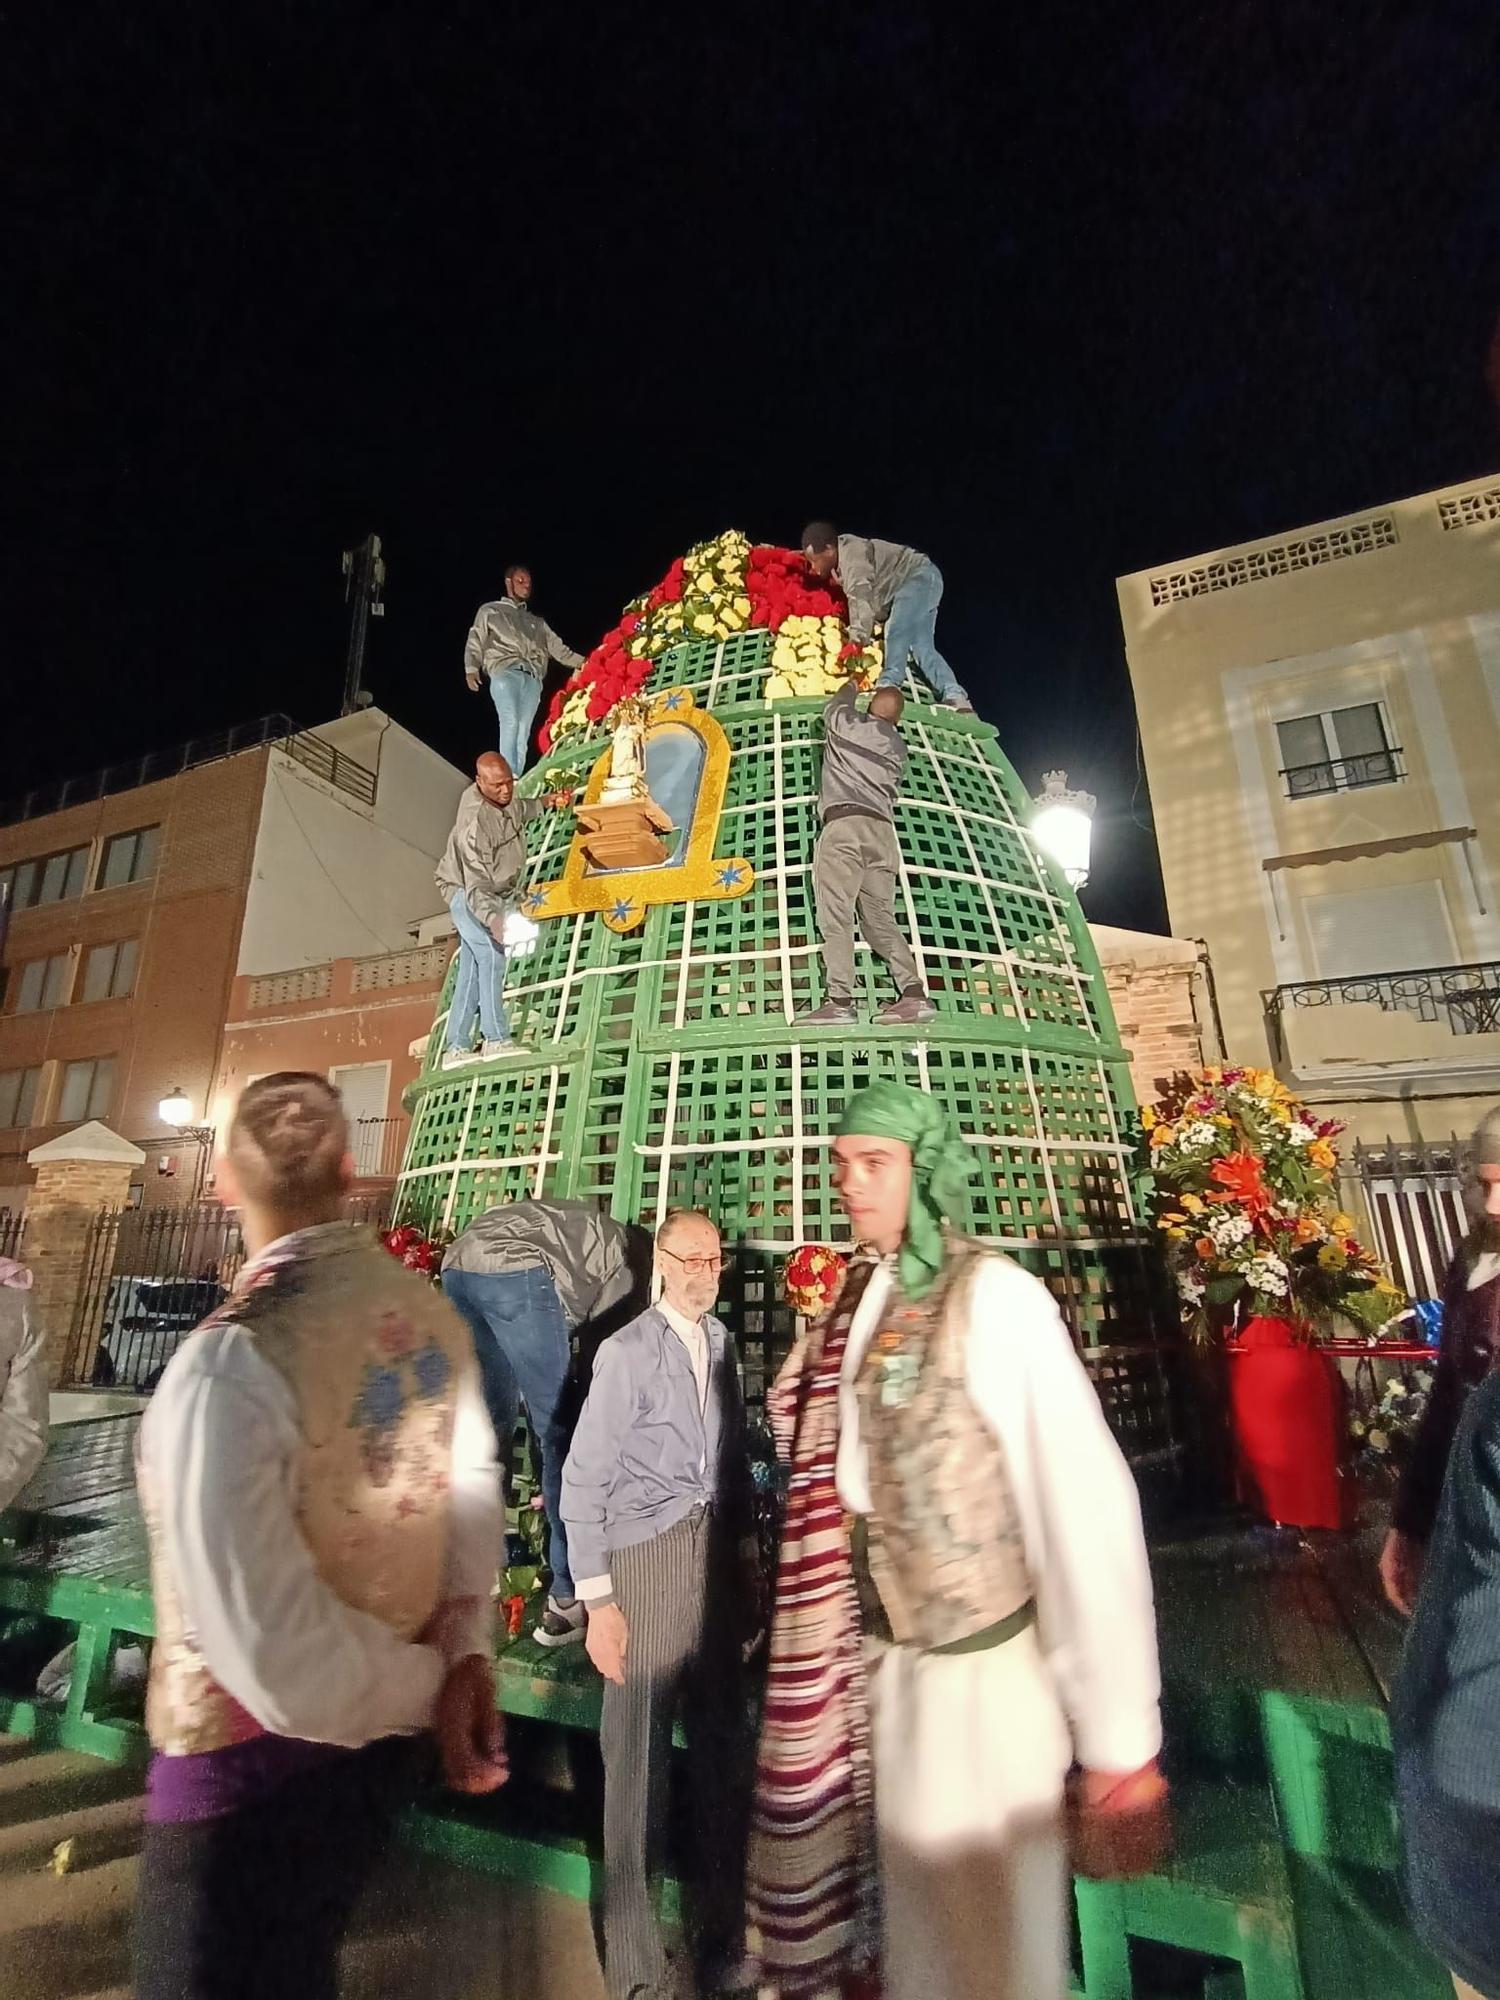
(1051, 302)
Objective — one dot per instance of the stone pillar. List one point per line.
(84, 1171)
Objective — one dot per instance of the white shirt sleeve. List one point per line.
(852, 1466)
(220, 1442)
(476, 1532)
(1080, 1518)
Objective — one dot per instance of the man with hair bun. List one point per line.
(317, 1474)
(659, 1511)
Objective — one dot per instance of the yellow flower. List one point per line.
(1331, 1257)
(1191, 1203)
(1148, 1118)
(1341, 1224)
(1162, 1135)
(1322, 1155)
(704, 623)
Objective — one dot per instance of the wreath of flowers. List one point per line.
(719, 588)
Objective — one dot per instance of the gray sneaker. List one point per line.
(832, 1014)
(561, 1624)
(958, 702)
(509, 1047)
(459, 1058)
(906, 1012)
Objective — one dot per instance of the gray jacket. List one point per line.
(644, 1454)
(23, 1385)
(486, 852)
(505, 634)
(586, 1254)
(863, 759)
(871, 573)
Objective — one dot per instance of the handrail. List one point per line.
(1344, 774)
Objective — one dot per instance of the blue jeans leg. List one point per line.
(516, 695)
(911, 631)
(524, 1316)
(486, 970)
(497, 1380)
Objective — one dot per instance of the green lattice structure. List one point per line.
(667, 1071)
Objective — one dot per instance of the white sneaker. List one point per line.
(459, 1058)
(509, 1047)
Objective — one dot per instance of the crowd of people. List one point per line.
(960, 1614)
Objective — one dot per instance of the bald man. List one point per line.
(478, 878)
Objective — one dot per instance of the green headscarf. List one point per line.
(941, 1165)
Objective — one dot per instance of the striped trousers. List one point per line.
(678, 1594)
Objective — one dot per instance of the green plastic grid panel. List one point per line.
(667, 1070)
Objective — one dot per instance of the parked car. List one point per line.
(146, 1320)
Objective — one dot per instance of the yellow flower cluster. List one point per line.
(574, 714)
(805, 659)
(713, 602)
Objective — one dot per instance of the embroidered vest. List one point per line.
(944, 1539)
(373, 1356)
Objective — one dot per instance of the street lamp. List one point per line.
(176, 1110)
(1062, 821)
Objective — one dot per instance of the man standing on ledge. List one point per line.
(962, 1608)
(659, 1511)
(477, 878)
(512, 645)
(886, 580)
(857, 856)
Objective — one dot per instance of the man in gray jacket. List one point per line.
(527, 1276)
(512, 645)
(887, 580)
(23, 1384)
(659, 1508)
(477, 877)
(857, 857)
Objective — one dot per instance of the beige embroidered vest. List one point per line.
(373, 1356)
(945, 1548)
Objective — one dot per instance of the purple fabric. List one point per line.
(209, 1783)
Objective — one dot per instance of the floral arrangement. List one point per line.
(719, 588)
(813, 1278)
(1247, 1204)
(416, 1251)
(1383, 1437)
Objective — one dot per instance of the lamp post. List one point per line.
(176, 1110)
(1062, 821)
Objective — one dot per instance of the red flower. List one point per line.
(1239, 1174)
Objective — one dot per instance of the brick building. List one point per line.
(135, 898)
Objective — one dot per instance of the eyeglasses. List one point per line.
(696, 1267)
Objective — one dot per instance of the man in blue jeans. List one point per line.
(886, 580)
(477, 877)
(511, 646)
(527, 1275)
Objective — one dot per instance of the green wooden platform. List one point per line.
(1277, 1656)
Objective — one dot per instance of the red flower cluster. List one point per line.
(813, 1279)
(413, 1249)
(779, 586)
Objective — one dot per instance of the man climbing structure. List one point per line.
(511, 645)
(887, 580)
(857, 856)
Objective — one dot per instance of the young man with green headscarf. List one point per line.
(963, 1609)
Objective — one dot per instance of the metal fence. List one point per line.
(377, 1145)
(11, 1220)
(150, 1275)
(1414, 1191)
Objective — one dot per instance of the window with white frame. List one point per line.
(129, 857)
(109, 971)
(1336, 750)
(87, 1089)
(50, 878)
(18, 1094)
(43, 983)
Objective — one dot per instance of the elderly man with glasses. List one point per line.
(658, 1505)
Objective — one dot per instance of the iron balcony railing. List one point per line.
(1343, 774)
(1464, 998)
(377, 1144)
(309, 749)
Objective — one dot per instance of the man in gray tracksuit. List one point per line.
(857, 856)
(887, 580)
(512, 645)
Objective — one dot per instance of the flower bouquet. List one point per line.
(813, 1279)
(1247, 1205)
